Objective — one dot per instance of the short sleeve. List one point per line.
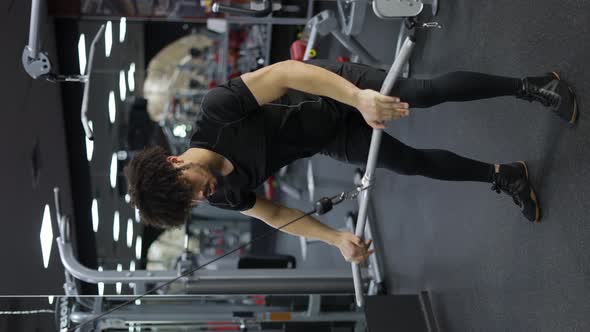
(233, 199)
(247, 201)
(230, 102)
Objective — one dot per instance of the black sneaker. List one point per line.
(552, 92)
(513, 179)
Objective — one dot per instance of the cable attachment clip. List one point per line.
(326, 204)
(412, 23)
(427, 25)
(354, 193)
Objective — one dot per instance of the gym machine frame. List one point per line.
(195, 312)
(348, 21)
(241, 281)
(38, 65)
(260, 14)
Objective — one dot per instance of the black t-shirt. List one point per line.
(230, 124)
(259, 140)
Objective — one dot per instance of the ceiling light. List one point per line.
(112, 107)
(122, 29)
(131, 77)
(100, 285)
(118, 286)
(46, 236)
(132, 269)
(95, 215)
(114, 163)
(108, 39)
(116, 226)
(122, 85)
(129, 233)
(82, 54)
(138, 248)
(89, 144)
(179, 131)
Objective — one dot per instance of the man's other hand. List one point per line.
(352, 248)
(377, 108)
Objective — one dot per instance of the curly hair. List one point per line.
(157, 189)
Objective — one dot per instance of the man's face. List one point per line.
(202, 179)
(199, 176)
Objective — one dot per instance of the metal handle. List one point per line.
(368, 178)
(217, 8)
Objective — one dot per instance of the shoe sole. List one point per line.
(575, 113)
(532, 194)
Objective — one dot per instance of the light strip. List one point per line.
(129, 233)
(122, 85)
(132, 268)
(46, 236)
(116, 226)
(100, 285)
(131, 77)
(82, 54)
(112, 107)
(122, 29)
(138, 248)
(114, 169)
(119, 286)
(95, 215)
(89, 144)
(108, 39)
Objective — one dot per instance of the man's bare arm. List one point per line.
(351, 247)
(277, 215)
(270, 83)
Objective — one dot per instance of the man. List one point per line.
(253, 125)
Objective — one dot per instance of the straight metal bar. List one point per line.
(369, 176)
(243, 281)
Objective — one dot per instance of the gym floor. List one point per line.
(487, 269)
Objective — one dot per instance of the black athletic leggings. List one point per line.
(352, 145)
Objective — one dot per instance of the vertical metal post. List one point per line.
(34, 28)
(313, 35)
(84, 108)
(310, 4)
(369, 176)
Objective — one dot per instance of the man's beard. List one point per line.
(220, 180)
